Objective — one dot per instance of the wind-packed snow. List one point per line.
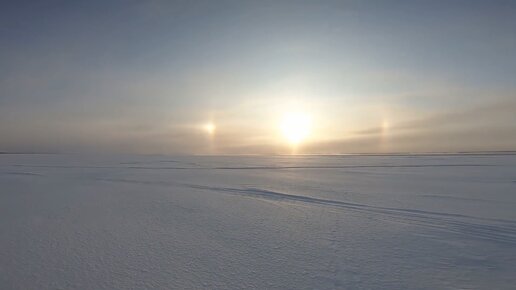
(278, 222)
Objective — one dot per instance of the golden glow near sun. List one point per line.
(209, 128)
(296, 127)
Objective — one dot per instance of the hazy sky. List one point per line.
(148, 76)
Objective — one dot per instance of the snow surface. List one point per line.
(278, 222)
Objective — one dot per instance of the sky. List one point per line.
(257, 77)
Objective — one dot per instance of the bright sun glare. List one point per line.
(209, 128)
(296, 127)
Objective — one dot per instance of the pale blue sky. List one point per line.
(143, 76)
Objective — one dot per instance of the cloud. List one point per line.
(487, 127)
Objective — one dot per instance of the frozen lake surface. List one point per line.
(278, 222)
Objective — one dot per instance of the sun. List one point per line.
(296, 127)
